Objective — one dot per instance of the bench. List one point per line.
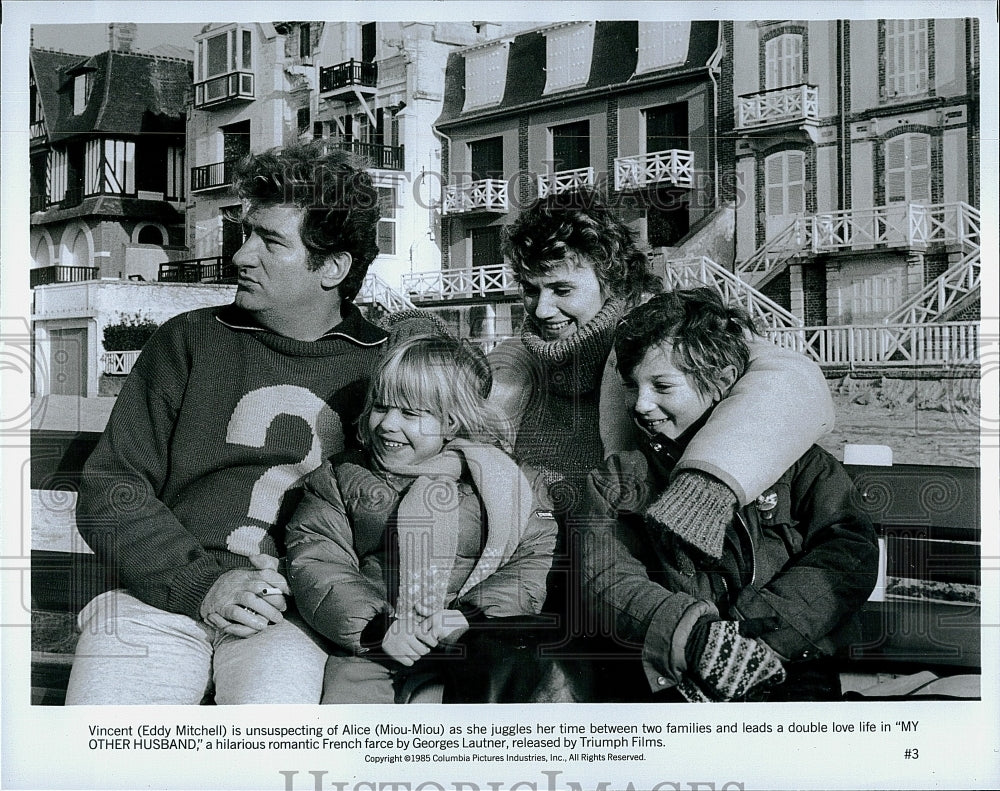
(925, 614)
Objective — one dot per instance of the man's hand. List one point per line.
(408, 640)
(243, 602)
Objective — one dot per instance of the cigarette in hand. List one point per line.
(266, 591)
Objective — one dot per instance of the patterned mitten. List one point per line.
(727, 665)
(697, 508)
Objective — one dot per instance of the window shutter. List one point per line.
(774, 184)
(662, 44)
(906, 69)
(796, 182)
(920, 168)
(895, 169)
(485, 76)
(783, 61)
(568, 54)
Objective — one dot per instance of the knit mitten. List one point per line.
(697, 508)
(726, 664)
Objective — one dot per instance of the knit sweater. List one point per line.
(218, 421)
(557, 431)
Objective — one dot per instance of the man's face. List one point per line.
(563, 299)
(275, 282)
(664, 400)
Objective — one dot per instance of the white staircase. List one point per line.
(375, 291)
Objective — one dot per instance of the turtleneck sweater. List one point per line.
(559, 431)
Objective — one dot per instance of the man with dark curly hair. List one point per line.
(186, 495)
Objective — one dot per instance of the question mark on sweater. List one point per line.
(249, 426)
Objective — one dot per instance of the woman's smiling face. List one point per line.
(565, 298)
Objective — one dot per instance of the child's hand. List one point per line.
(446, 626)
(407, 640)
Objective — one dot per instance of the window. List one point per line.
(368, 42)
(906, 60)
(150, 234)
(908, 169)
(110, 167)
(386, 234)
(302, 120)
(662, 44)
(82, 85)
(571, 145)
(305, 40)
(783, 61)
(222, 53)
(874, 297)
(784, 184)
(487, 158)
(485, 75)
(175, 173)
(569, 49)
(486, 246)
(667, 127)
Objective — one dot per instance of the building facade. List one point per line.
(855, 149)
(372, 88)
(627, 108)
(108, 182)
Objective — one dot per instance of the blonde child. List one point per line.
(428, 533)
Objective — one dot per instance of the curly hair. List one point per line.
(441, 374)
(341, 206)
(705, 335)
(579, 221)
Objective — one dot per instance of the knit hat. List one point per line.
(725, 665)
(696, 508)
(404, 324)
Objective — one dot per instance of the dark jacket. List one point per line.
(797, 572)
(339, 542)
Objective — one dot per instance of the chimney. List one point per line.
(121, 35)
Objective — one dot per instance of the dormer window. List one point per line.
(82, 85)
(569, 49)
(662, 45)
(485, 75)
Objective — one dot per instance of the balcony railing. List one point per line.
(375, 291)
(674, 167)
(379, 156)
(885, 345)
(234, 86)
(72, 197)
(482, 195)
(778, 106)
(703, 271)
(215, 269)
(44, 275)
(37, 130)
(119, 363)
(480, 281)
(903, 225)
(562, 180)
(213, 176)
(349, 74)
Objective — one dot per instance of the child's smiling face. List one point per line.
(664, 400)
(404, 436)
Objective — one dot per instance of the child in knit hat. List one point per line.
(738, 611)
(432, 531)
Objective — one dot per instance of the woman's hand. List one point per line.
(408, 640)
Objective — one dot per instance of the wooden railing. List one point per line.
(375, 291)
(480, 281)
(44, 275)
(885, 345)
(904, 225)
(779, 105)
(348, 74)
(481, 195)
(119, 363)
(214, 269)
(562, 180)
(703, 271)
(674, 167)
